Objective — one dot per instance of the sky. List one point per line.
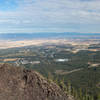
(29, 16)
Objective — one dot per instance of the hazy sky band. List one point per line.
(50, 16)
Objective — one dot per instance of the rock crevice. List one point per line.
(17, 83)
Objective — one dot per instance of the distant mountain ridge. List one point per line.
(22, 36)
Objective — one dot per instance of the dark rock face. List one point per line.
(21, 84)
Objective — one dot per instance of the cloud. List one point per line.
(69, 15)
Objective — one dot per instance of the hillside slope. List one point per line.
(17, 83)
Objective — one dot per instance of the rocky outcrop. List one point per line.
(17, 83)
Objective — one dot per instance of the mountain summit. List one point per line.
(17, 83)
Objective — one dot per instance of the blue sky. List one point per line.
(19, 16)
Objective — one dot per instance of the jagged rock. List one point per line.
(17, 83)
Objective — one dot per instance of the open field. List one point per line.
(10, 44)
(4, 44)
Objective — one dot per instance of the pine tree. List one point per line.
(50, 77)
(69, 88)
